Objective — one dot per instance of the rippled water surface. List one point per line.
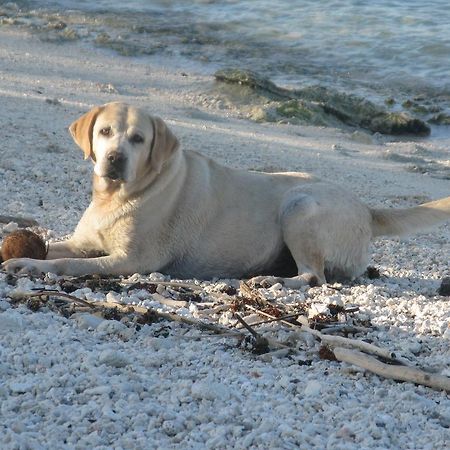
(378, 48)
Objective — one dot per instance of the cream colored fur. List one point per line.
(181, 213)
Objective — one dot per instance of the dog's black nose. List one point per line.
(116, 165)
(115, 158)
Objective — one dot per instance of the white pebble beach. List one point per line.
(85, 382)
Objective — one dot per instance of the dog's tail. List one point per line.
(403, 222)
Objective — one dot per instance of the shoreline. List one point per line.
(185, 389)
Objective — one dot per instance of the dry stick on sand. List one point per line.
(47, 293)
(367, 362)
(411, 374)
(21, 221)
(275, 319)
(255, 334)
(355, 357)
(173, 317)
(126, 309)
(176, 284)
(340, 341)
(253, 293)
(169, 301)
(261, 344)
(331, 340)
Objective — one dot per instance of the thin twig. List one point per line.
(344, 328)
(340, 341)
(247, 326)
(169, 301)
(276, 319)
(173, 317)
(48, 292)
(21, 221)
(254, 294)
(334, 341)
(270, 316)
(178, 284)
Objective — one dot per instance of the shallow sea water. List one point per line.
(379, 49)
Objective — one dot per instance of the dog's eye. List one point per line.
(137, 139)
(106, 131)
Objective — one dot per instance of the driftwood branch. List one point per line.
(254, 294)
(332, 341)
(175, 284)
(173, 317)
(21, 221)
(169, 301)
(205, 326)
(275, 319)
(340, 341)
(401, 373)
(352, 351)
(255, 334)
(261, 344)
(44, 293)
(271, 317)
(355, 351)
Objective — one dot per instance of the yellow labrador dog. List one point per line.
(158, 208)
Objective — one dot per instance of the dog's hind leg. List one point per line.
(327, 232)
(301, 230)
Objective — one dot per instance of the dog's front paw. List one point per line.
(26, 266)
(265, 281)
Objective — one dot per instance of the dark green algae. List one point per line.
(315, 105)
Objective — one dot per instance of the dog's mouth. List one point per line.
(114, 175)
(111, 172)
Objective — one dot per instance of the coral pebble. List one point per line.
(23, 244)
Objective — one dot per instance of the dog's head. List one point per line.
(124, 142)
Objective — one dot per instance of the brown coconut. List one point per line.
(23, 244)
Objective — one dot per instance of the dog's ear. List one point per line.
(82, 131)
(164, 144)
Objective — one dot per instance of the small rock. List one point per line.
(336, 300)
(113, 297)
(107, 88)
(361, 137)
(313, 389)
(372, 273)
(172, 427)
(52, 101)
(4, 305)
(10, 321)
(415, 347)
(444, 421)
(98, 390)
(446, 334)
(318, 309)
(10, 227)
(111, 327)
(209, 390)
(21, 388)
(156, 276)
(445, 287)
(113, 358)
(87, 321)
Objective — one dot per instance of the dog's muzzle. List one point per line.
(115, 165)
